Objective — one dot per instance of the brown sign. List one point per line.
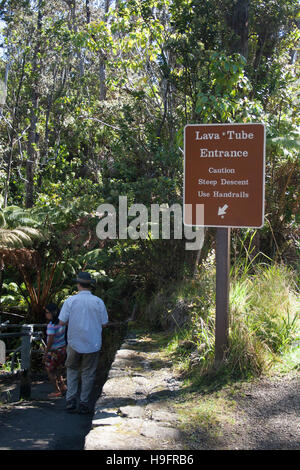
(224, 171)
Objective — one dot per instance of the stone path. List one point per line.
(134, 410)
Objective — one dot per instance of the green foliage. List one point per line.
(225, 97)
(264, 321)
(97, 103)
(271, 306)
(18, 228)
(12, 296)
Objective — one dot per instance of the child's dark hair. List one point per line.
(53, 308)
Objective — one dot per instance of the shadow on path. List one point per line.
(41, 423)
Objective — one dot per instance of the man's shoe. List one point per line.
(71, 406)
(83, 409)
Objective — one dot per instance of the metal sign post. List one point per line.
(222, 293)
(224, 174)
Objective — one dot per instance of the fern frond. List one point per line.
(286, 142)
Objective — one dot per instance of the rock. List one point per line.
(106, 419)
(154, 430)
(129, 342)
(108, 403)
(159, 394)
(126, 354)
(140, 380)
(122, 364)
(146, 365)
(120, 387)
(164, 416)
(172, 383)
(118, 373)
(132, 411)
(118, 439)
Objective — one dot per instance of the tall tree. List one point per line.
(32, 134)
(102, 67)
(238, 21)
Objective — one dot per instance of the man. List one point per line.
(85, 315)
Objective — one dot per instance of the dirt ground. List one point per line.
(270, 414)
(265, 415)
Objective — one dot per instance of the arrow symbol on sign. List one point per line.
(222, 210)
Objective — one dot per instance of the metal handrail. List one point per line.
(20, 325)
(27, 334)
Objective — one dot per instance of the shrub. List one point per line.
(267, 302)
(263, 320)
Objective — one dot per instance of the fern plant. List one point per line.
(17, 228)
(18, 232)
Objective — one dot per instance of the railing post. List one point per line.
(2, 352)
(25, 385)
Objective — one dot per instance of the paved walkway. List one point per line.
(41, 423)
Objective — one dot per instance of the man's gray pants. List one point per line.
(84, 365)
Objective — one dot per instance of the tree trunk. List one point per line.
(32, 136)
(88, 11)
(2, 266)
(238, 21)
(13, 133)
(102, 71)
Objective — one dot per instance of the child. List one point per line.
(55, 352)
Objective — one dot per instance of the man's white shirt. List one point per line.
(85, 314)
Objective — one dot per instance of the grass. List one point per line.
(264, 323)
(208, 414)
(268, 304)
(289, 362)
